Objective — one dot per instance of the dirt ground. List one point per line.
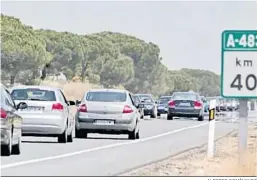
(195, 162)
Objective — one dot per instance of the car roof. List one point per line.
(186, 93)
(108, 90)
(165, 97)
(36, 87)
(144, 94)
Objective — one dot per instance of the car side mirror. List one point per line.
(71, 103)
(77, 102)
(142, 101)
(22, 105)
(140, 106)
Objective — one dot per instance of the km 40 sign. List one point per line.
(239, 64)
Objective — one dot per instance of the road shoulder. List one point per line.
(195, 163)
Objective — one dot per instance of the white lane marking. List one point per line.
(99, 148)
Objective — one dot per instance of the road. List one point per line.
(104, 155)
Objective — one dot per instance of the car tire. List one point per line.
(158, 114)
(154, 114)
(169, 117)
(16, 149)
(80, 134)
(6, 150)
(142, 116)
(200, 118)
(63, 137)
(133, 134)
(70, 137)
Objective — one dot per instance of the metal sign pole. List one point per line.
(243, 130)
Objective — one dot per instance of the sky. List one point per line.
(188, 33)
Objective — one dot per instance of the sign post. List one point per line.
(239, 76)
(211, 137)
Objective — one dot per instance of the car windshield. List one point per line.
(146, 98)
(106, 96)
(33, 94)
(164, 100)
(185, 96)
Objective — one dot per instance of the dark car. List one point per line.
(140, 109)
(11, 123)
(150, 107)
(162, 106)
(186, 104)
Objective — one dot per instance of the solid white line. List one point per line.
(98, 148)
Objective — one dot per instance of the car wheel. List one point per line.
(63, 137)
(169, 117)
(158, 114)
(16, 149)
(6, 150)
(154, 114)
(200, 118)
(133, 134)
(80, 133)
(138, 135)
(70, 137)
(142, 116)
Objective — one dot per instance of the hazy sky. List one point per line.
(188, 33)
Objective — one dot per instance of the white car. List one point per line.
(107, 111)
(48, 113)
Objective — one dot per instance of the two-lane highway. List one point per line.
(101, 155)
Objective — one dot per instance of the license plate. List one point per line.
(34, 108)
(160, 107)
(104, 122)
(184, 104)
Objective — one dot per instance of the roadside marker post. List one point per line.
(211, 137)
(239, 76)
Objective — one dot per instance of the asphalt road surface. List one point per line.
(105, 155)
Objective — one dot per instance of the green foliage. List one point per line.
(107, 58)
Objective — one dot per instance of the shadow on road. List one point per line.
(40, 142)
(107, 138)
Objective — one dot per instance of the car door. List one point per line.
(68, 112)
(15, 119)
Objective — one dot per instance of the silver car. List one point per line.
(48, 113)
(107, 111)
(10, 123)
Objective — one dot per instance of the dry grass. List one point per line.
(195, 163)
(72, 90)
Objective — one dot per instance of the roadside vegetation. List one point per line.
(107, 59)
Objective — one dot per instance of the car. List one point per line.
(150, 106)
(218, 103)
(108, 111)
(185, 104)
(162, 106)
(223, 105)
(48, 113)
(137, 101)
(11, 123)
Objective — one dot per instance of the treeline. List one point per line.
(106, 58)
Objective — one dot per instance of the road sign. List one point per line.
(239, 64)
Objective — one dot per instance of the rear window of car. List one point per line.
(145, 98)
(185, 96)
(164, 100)
(33, 94)
(106, 96)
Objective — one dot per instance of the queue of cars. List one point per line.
(45, 111)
